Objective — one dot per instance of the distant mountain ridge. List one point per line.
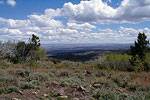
(56, 49)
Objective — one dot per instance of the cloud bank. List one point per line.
(82, 23)
(130, 11)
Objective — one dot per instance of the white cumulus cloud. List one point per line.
(81, 23)
(11, 2)
(130, 11)
(71, 32)
(84, 26)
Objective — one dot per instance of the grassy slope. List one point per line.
(114, 85)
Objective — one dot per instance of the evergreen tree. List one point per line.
(35, 47)
(138, 52)
(140, 47)
(31, 51)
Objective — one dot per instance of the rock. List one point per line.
(75, 86)
(54, 83)
(51, 99)
(75, 99)
(81, 88)
(87, 91)
(97, 85)
(64, 84)
(45, 95)
(63, 97)
(60, 92)
(88, 72)
(20, 92)
(35, 93)
(15, 99)
(121, 91)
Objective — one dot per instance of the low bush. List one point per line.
(139, 96)
(80, 75)
(12, 89)
(27, 85)
(39, 76)
(135, 87)
(64, 73)
(21, 72)
(72, 81)
(3, 72)
(107, 83)
(115, 62)
(7, 79)
(120, 83)
(51, 74)
(147, 62)
(106, 95)
(56, 72)
(2, 90)
(102, 73)
(35, 82)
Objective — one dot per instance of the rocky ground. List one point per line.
(73, 84)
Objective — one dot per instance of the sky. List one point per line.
(74, 21)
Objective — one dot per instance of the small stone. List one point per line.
(54, 83)
(60, 92)
(45, 95)
(15, 99)
(20, 92)
(75, 99)
(64, 84)
(80, 88)
(97, 85)
(63, 97)
(88, 72)
(35, 93)
(87, 91)
(51, 99)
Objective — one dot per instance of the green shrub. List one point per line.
(137, 64)
(72, 81)
(21, 72)
(123, 97)
(3, 72)
(35, 82)
(107, 83)
(39, 76)
(80, 75)
(27, 85)
(116, 62)
(51, 74)
(64, 73)
(12, 89)
(139, 96)
(106, 95)
(101, 73)
(135, 87)
(66, 64)
(119, 82)
(56, 72)
(2, 90)
(147, 62)
(7, 79)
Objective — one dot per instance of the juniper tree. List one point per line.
(140, 47)
(31, 51)
(138, 51)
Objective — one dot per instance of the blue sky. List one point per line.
(74, 21)
(23, 8)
